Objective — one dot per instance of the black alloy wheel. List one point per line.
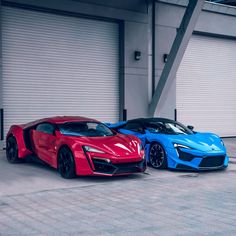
(157, 156)
(66, 163)
(12, 150)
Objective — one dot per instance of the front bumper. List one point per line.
(104, 168)
(184, 160)
(205, 164)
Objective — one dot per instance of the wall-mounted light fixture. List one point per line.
(165, 58)
(137, 55)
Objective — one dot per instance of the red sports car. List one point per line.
(76, 146)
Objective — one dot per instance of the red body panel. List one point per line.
(44, 146)
(117, 149)
(17, 132)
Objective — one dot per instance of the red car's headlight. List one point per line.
(141, 150)
(91, 149)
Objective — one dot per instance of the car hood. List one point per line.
(117, 145)
(205, 142)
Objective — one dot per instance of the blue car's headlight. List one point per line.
(222, 143)
(177, 145)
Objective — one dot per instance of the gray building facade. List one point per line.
(132, 57)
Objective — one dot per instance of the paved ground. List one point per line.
(34, 200)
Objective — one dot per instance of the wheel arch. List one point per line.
(157, 141)
(10, 135)
(17, 132)
(62, 146)
(151, 142)
(71, 173)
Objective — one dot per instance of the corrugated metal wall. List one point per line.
(206, 85)
(58, 65)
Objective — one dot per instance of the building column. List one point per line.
(184, 33)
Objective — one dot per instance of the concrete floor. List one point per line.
(35, 200)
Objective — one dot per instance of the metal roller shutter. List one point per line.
(58, 65)
(206, 85)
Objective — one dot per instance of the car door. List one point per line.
(44, 140)
(136, 129)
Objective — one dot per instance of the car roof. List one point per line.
(64, 119)
(147, 120)
(58, 120)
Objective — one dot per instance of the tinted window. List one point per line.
(88, 129)
(155, 127)
(46, 128)
(133, 126)
(167, 128)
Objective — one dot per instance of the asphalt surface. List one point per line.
(35, 200)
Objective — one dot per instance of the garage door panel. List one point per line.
(58, 65)
(206, 85)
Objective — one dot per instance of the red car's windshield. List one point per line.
(86, 129)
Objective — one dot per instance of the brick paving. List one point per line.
(34, 200)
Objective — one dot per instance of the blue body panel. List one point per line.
(201, 146)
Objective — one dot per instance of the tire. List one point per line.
(12, 150)
(157, 156)
(66, 163)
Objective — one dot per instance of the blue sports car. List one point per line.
(169, 144)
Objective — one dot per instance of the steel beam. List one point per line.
(183, 35)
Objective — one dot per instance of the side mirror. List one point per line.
(190, 127)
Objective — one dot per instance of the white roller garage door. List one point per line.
(58, 65)
(206, 85)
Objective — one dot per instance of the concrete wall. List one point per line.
(136, 72)
(216, 20)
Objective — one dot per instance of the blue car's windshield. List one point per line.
(86, 129)
(167, 128)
